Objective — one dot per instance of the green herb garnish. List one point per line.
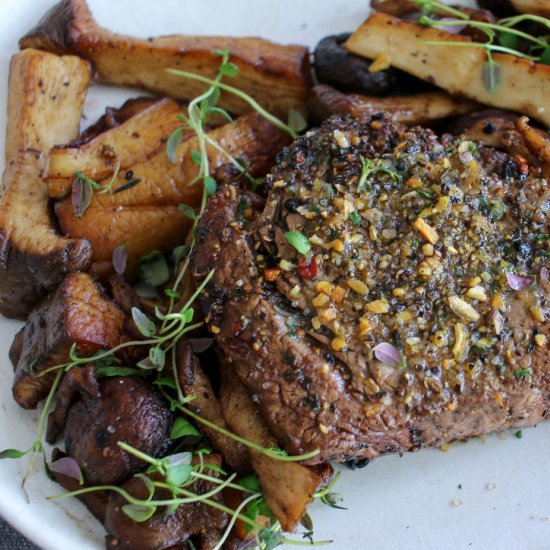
(299, 241)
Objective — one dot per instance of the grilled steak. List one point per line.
(409, 305)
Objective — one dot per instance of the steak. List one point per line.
(392, 294)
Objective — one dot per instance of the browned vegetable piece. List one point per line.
(78, 313)
(163, 531)
(535, 7)
(194, 382)
(415, 109)
(537, 142)
(288, 487)
(277, 76)
(348, 72)
(146, 216)
(45, 98)
(399, 8)
(524, 86)
(506, 131)
(142, 228)
(95, 415)
(117, 148)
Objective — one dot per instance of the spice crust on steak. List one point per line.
(418, 312)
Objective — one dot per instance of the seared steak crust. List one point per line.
(417, 243)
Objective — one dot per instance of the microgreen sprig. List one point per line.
(368, 168)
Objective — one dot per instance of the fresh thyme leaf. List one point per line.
(213, 111)
(157, 356)
(183, 428)
(138, 512)
(522, 374)
(81, 196)
(172, 294)
(153, 269)
(228, 69)
(213, 99)
(210, 185)
(425, 194)
(196, 157)
(491, 75)
(120, 258)
(179, 252)
(251, 483)
(127, 186)
(188, 211)
(355, 219)
(508, 40)
(173, 143)
(545, 57)
(145, 326)
(296, 120)
(299, 241)
(13, 453)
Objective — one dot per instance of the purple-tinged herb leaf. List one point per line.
(188, 211)
(81, 196)
(143, 323)
(516, 282)
(491, 75)
(296, 120)
(388, 354)
(138, 512)
(120, 258)
(69, 467)
(200, 344)
(173, 143)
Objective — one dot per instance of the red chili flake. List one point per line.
(271, 274)
(308, 270)
(523, 166)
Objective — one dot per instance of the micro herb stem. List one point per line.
(484, 26)
(234, 518)
(514, 20)
(486, 47)
(431, 5)
(268, 452)
(245, 97)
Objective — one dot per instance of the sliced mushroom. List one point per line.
(45, 99)
(275, 75)
(413, 109)
(78, 313)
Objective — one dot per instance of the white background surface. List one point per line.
(395, 503)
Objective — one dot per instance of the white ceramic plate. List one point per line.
(487, 494)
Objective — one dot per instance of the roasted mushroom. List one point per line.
(45, 99)
(276, 76)
(78, 313)
(97, 414)
(163, 531)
